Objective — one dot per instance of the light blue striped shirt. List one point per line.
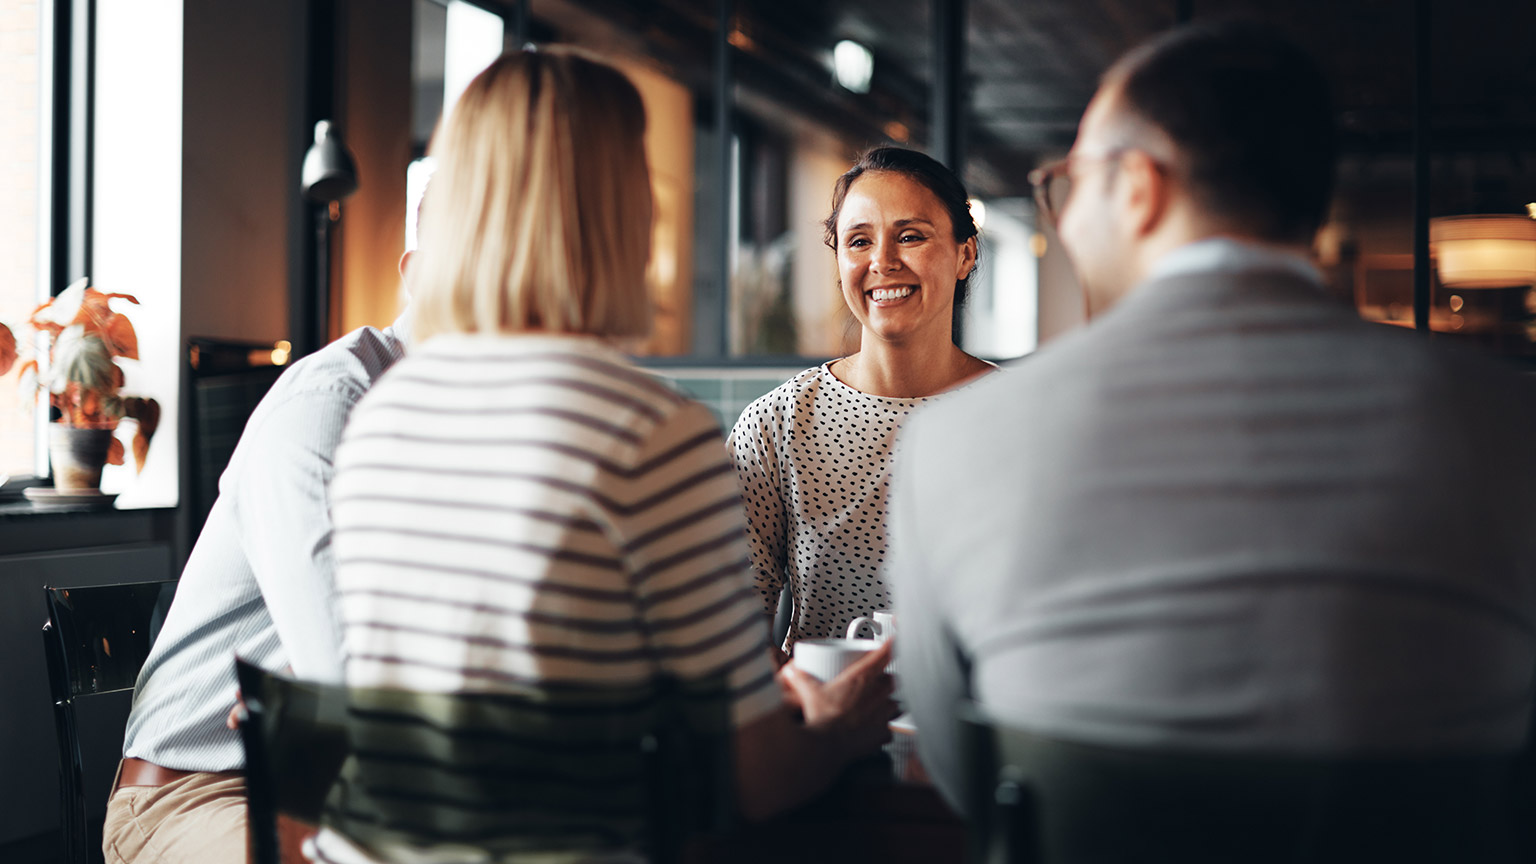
(260, 581)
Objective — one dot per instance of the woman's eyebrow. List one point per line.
(899, 223)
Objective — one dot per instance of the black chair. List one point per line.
(782, 615)
(295, 740)
(589, 769)
(228, 380)
(1035, 799)
(96, 640)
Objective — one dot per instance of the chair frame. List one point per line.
(263, 801)
(667, 762)
(1020, 787)
(58, 632)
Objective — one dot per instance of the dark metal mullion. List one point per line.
(724, 109)
(59, 160)
(946, 105)
(946, 117)
(308, 303)
(74, 142)
(521, 14)
(1421, 178)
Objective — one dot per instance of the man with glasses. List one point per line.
(1227, 514)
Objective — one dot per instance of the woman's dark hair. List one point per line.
(926, 170)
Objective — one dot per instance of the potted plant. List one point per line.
(83, 380)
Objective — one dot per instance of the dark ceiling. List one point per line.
(1033, 64)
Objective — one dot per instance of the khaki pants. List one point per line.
(198, 819)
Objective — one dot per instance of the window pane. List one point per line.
(801, 120)
(137, 210)
(22, 231)
(1002, 310)
(452, 42)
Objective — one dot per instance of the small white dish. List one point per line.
(49, 497)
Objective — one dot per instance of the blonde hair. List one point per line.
(538, 216)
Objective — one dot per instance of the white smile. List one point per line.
(881, 294)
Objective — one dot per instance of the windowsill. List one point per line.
(27, 529)
(14, 509)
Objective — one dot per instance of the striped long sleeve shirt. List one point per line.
(515, 510)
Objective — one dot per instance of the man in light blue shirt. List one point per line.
(259, 584)
(1226, 515)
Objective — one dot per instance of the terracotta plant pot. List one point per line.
(78, 456)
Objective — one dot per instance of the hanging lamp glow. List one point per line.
(1485, 251)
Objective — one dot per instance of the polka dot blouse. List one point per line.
(814, 458)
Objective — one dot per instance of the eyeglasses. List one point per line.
(1053, 182)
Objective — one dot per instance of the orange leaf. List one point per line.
(120, 338)
(145, 411)
(7, 349)
(94, 314)
(140, 448)
(46, 326)
(115, 452)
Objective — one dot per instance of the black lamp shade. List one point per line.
(329, 173)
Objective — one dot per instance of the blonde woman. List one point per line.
(814, 454)
(516, 503)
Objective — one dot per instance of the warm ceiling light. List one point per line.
(1494, 251)
(1530, 209)
(853, 66)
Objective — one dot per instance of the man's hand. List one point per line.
(855, 707)
(233, 720)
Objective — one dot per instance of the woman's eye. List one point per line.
(857, 243)
(911, 238)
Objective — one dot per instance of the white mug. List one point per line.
(882, 624)
(825, 659)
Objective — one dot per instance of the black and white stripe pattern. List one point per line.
(535, 510)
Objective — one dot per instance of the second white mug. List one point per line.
(882, 624)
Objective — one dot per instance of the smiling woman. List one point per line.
(901, 267)
(814, 455)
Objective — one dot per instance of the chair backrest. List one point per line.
(228, 380)
(295, 740)
(1037, 799)
(95, 641)
(540, 770)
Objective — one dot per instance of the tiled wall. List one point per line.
(727, 391)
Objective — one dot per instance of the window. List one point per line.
(136, 212)
(740, 274)
(451, 43)
(24, 236)
(85, 192)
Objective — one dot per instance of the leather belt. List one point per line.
(137, 772)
